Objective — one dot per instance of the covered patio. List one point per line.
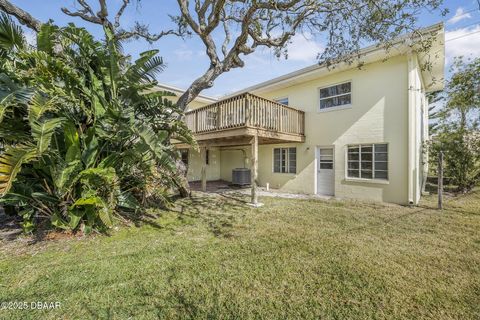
(244, 120)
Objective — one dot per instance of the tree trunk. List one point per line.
(181, 181)
(204, 82)
(23, 17)
(200, 84)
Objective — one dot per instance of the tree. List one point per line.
(247, 25)
(82, 131)
(458, 133)
(233, 29)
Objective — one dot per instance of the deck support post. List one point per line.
(254, 170)
(203, 156)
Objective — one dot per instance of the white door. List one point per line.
(325, 172)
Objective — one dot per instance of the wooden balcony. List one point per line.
(234, 121)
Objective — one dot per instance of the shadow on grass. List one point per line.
(219, 211)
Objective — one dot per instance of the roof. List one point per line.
(433, 77)
(178, 92)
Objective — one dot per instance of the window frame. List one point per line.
(341, 107)
(287, 158)
(373, 179)
(277, 100)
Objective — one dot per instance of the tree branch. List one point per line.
(23, 17)
(139, 31)
(120, 12)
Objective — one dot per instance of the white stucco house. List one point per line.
(346, 132)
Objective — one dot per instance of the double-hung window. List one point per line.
(368, 161)
(285, 160)
(336, 96)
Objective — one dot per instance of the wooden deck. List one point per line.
(234, 121)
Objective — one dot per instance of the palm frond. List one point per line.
(46, 38)
(12, 95)
(65, 175)
(42, 132)
(146, 67)
(11, 34)
(40, 104)
(11, 162)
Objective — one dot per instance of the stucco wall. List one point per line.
(194, 172)
(419, 122)
(234, 158)
(378, 114)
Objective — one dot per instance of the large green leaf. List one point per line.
(72, 142)
(11, 34)
(65, 175)
(42, 132)
(146, 67)
(40, 104)
(104, 213)
(153, 140)
(12, 95)
(11, 162)
(46, 38)
(91, 148)
(75, 216)
(58, 222)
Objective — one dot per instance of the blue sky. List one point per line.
(185, 59)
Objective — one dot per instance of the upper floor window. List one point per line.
(285, 160)
(336, 96)
(368, 161)
(282, 101)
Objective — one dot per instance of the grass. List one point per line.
(213, 257)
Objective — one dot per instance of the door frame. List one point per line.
(317, 163)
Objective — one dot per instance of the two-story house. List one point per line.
(346, 131)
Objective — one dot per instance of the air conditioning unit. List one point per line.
(241, 176)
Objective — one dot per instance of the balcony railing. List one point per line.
(246, 110)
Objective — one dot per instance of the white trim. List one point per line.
(411, 64)
(373, 180)
(287, 164)
(369, 54)
(180, 91)
(340, 107)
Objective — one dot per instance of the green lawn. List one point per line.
(217, 258)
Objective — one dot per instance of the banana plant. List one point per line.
(82, 129)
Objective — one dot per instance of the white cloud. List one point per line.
(186, 54)
(183, 54)
(304, 48)
(462, 42)
(459, 16)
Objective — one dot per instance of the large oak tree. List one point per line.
(233, 29)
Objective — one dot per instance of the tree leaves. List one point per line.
(11, 35)
(84, 134)
(42, 132)
(11, 162)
